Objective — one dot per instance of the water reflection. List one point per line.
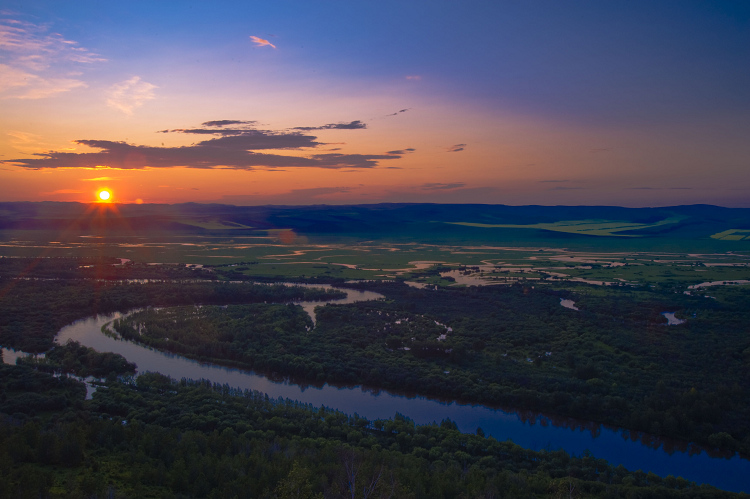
(568, 304)
(672, 320)
(634, 450)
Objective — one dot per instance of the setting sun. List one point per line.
(104, 195)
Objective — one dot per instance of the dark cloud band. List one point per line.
(235, 148)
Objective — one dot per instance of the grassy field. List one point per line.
(732, 235)
(608, 228)
(268, 256)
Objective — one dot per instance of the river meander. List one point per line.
(530, 430)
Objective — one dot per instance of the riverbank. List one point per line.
(529, 431)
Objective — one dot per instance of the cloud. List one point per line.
(660, 188)
(221, 123)
(32, 45)
(65, 191)
(401, 152)
(24, 137)
(26, 142)
(11, 77)
(254, 139)
(36, 63)
(99, 179)
(413, 77)
(442, 187)
(552, 181)
(237, 150)
(352, 160)
(352, 125)
(207, 131)
(40, 88)
(260, 42)
(130, 94)
(19, 84)
(398, 112)
(457, 148)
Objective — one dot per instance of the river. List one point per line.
(530, 430)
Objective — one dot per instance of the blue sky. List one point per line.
(539, 102)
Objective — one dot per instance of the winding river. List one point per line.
(530, 430)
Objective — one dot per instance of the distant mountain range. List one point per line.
(705, 227)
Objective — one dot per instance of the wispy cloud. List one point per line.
(20, 84)
(100, 179)
(37, 63)
(24, 137)
(11, 77)
(660, 188)
(402, 151)
(413, 77)
(399, 112)
(260, 42)
(40, 88)
(130, 94)
(436, 186)
(65, 191)
(234, 148)
(457, 148)
(352, 125)
(223, 123)
(36, 48)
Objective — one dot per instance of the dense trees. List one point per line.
(160, 438)
(33, 309)
(236, 334)
(74, 358)
(615, 361)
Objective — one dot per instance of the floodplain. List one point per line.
(558, 321)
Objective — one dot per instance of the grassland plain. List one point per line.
(266, 257)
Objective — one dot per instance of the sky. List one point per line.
(601, 102)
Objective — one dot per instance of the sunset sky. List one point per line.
(632, 103)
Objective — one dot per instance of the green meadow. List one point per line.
(267, 257)
(583, 227)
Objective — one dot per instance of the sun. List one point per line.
(104, 196)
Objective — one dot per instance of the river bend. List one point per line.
(529, 430)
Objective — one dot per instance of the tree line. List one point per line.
(156, 437)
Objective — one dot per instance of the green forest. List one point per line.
(40, 296)
(614, 361)
(154, 437)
